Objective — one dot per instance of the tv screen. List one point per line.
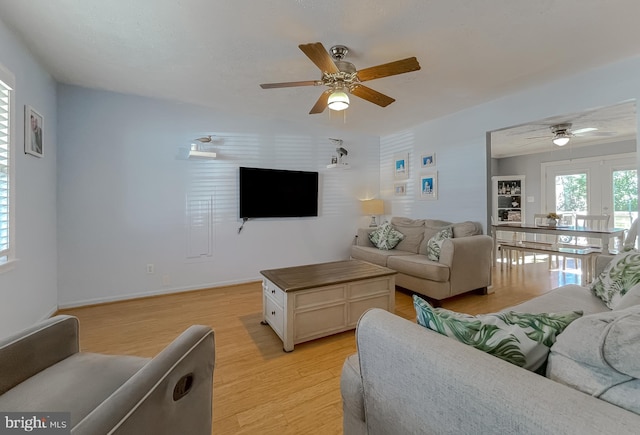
(268, 193)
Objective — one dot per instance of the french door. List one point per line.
(598, 186)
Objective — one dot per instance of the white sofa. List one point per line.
(406, 379)
(464, 264)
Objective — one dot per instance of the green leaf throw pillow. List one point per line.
(434, 245)
(622, 273)
(519, 338)
(386, 237)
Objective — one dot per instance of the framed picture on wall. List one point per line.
(399, 189)
(401, 166)
(429, 186)
(33, 131)
(428, 160)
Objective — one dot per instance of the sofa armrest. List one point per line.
(147, 403)
(418, 381)
(363, 237)
(353, 420)
(32, 350)
(469, 261)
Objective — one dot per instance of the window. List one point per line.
(6, 178)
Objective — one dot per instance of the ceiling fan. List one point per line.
(341, 77)
(562, 133)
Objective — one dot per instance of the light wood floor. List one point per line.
(259, 389)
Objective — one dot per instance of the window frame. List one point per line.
(8, 79)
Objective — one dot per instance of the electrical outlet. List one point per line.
(151, 268)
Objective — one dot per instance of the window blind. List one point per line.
(5, 112)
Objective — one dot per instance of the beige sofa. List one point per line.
(43, 370)
(406, 379)
(464, 264)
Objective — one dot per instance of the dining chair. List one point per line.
(595, 222)
(632, 235)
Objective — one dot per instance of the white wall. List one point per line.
(530, 167)
(28, 290)
(122, 195)
(459, 140)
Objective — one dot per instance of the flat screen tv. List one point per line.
(272, 193)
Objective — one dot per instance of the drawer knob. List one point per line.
(273, 292)
(273, 313)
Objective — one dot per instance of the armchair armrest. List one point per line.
(32, 350)
(469, 261)
(172, 394)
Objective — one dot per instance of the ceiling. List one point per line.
(614, 124)
(216, 53)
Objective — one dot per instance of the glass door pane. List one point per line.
(625, 197)
(571, 194)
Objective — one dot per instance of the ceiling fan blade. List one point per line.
(369, 94)
(321, 104)
(318, 55)
(389, 69)
(290, 84)
(595, 134)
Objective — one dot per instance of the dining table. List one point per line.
(605, 235)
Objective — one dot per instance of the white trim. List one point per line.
(8, 78)
(104, 300)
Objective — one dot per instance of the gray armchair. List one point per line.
(43, 370)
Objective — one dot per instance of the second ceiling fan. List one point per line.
(342, 78)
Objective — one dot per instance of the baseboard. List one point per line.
(106, 300)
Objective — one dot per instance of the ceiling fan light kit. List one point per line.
(562, 134)
(342, 77)
(338, 100)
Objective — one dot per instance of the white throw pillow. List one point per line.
(519, 338)
(434, 245)
(620, 275)
(630, 298)
(385, 237)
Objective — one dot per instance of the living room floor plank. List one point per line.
(258, 388)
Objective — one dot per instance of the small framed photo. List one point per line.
(428, 160)
(399, 189)
(429, 186)
(401, 166)
(33, 128)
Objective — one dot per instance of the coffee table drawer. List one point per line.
(273, 292)
(274, 314)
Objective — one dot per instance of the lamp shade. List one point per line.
(338, 100)
(372, 207)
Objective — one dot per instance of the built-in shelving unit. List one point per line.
(508, 199)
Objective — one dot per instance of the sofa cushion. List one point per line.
(622, 273)
(413, 231)
(630, 298)
(565, 298)
(419, 266)
(375, 255)
(434, 245)
(598, 355)
(431, 228)
(466, 229)
(385, 236)
(522, 339)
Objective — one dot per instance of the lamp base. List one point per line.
(373, 222)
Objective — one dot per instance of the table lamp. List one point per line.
(373, 208)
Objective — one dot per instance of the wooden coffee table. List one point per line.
(303, 303)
